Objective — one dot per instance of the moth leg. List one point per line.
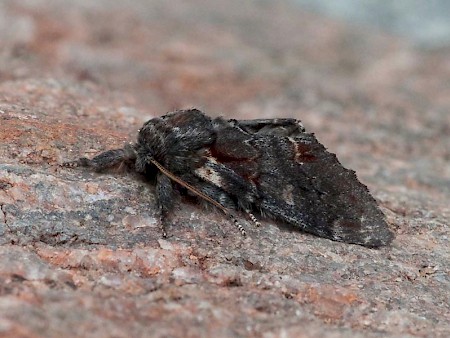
(164, 195)
(237, 224)
(252, 217)
(223, 199)
(200, 191)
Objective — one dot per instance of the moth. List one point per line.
(271, 167)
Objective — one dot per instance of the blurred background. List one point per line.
(227, 57)
(425, 23)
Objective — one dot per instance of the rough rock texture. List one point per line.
(81, 254)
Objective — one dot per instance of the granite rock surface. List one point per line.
(81, 253)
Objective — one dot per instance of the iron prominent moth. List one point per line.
(271, 167)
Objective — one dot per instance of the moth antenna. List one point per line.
(188, 186)
(200, 194)
(121, 167)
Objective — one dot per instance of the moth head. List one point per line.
(130, 152)
(143, 161)
(129, 156)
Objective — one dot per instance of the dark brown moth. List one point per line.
(271, 167)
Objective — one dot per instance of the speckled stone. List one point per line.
(81, 253)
